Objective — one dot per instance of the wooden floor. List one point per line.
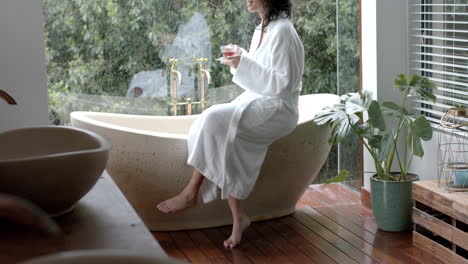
(329, 226)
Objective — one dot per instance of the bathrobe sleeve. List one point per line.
(276, 78)
(232, 70)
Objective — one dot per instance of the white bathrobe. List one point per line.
(228, 142)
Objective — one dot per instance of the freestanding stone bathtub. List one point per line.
(148, 163)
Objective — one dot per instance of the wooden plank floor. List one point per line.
(329, 226)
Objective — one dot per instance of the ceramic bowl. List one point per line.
(53, 166)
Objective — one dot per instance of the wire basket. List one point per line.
(452, 158)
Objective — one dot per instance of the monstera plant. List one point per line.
(380, 127)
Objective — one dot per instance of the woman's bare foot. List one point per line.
(238, 227)
(179, 202)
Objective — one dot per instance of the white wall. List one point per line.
(384, 53)
(22, 64)
(369, 65)
(426, 167)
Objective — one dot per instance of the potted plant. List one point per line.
(359, 114)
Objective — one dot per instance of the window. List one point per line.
(112, 55)
(348, 81)
(439, 33)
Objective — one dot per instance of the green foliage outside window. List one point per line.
(95, 47)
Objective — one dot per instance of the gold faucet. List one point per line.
(5, 96)
(203, 72)
(189, 106)
(175, 76)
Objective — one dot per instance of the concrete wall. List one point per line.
(22, 64)
(386, 53)
(426, 167)
(369, 64)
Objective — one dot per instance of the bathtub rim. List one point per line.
(83, 116)
(86, 117)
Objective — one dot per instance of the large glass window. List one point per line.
(348, 81)
(113, 55)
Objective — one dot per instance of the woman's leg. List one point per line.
(240, 222)
(185, 199)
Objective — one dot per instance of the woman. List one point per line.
(228, 143)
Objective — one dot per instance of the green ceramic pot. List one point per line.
(392, 203)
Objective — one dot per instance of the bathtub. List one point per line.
(148, 163)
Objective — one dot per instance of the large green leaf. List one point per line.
(422, 87)
(375, 116)
(329, 114)
(345, 97)
(366, 98)
(338, 178)
(414, 80)
(353, 108)
(354, 104)
(400, 82)
(375, 141)
(422, 128)
(391, 109)
(414, 142)
(427, 95)
(418, 86)
(363, 130)
(385, 147)
(354, 119)
(428, 84)
(337, 117)
(340, 129)
(417, 130)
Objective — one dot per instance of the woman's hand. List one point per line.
(232, 61)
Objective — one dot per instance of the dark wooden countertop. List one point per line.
(103, 219)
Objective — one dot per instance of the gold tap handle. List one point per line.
(173, 62)
(174, 107)
(202, 62)
(189, 106)
(176, 75)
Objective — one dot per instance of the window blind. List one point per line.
(439, 51)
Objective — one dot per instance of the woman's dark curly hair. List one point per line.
(274, 9)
